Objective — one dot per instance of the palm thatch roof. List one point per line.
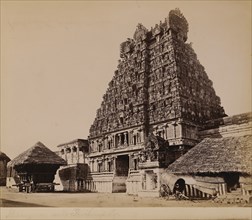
(38, 154)
(215, 155)
(3, 156)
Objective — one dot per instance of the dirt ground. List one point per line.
(13, 198)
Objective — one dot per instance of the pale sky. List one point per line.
(57, 59)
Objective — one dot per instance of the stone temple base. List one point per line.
(107, 182)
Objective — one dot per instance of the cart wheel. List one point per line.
(164, 190)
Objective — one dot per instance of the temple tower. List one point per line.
(159, 88)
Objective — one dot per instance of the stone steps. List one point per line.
(119, 184)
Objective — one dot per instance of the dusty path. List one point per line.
(12, 198)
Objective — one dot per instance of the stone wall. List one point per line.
(73, 177)
(100, 182)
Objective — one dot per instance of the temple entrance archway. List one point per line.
(122, 165)
(121, 173)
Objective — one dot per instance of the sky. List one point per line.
(57, 58)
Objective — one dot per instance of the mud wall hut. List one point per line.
(4, 159)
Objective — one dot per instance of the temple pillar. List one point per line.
(112, 141)
(166, 132)
(105, 142)
(141, 136)
(83, 155)
(115, 141)
(174, 128)
(105, 164)
(108, 143)
(72, 156)
(65, 154)
(114, 164)
(96, 145)
(180, 129)
(138, 138)
(120, 139)
(130, 137)
(125, 138)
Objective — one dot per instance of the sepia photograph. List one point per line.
(125, 110)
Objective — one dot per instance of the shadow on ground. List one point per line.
(10, 203)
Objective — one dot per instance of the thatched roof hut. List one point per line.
(38, 164)
(37, 154)
(216, 155)
(3, 156)
(4, 159)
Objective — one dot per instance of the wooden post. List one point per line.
(223, 188)
(220, 189)
(195, 192)
(78, 156)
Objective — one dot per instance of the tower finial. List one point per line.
(140, 32)
(178, 23)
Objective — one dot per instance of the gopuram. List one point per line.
(157, 100)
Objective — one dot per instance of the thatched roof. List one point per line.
(38, 154)
(3, 156)
(215, 155)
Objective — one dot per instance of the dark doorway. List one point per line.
(179, 186)
(122, 165)
(232, 181)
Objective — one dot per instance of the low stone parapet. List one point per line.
(100, 182)
(133, 183)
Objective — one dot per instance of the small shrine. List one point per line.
(153, 159)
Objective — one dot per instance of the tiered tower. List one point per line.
(159, 88)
